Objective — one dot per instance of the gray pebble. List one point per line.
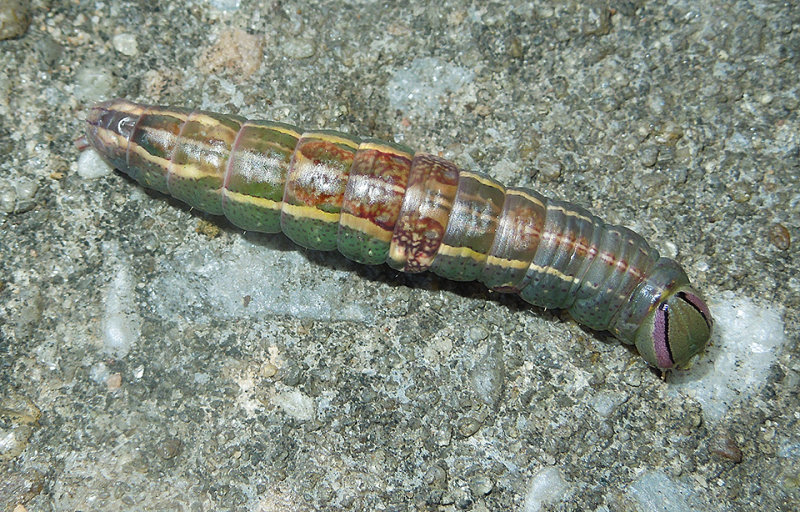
(169, 448)
(299, 48)
(15, 17)
(481, 485)
(468, 426)
(549, 169)
(8, 198)
(26, 189)
(488, 375)
(436, 476)
(648, 156)
(478, 334)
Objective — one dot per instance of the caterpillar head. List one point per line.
(675, 331)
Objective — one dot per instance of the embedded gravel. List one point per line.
(151, 362)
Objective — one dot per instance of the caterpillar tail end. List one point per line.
(109, 126)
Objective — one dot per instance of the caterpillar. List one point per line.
(380, 202)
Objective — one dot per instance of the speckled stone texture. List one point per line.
(150, 363)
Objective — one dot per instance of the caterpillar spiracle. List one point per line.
(379, 202)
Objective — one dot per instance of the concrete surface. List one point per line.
(152, 358)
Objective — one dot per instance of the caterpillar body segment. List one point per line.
(379, 202)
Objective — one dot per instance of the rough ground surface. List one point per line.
(149, 361)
